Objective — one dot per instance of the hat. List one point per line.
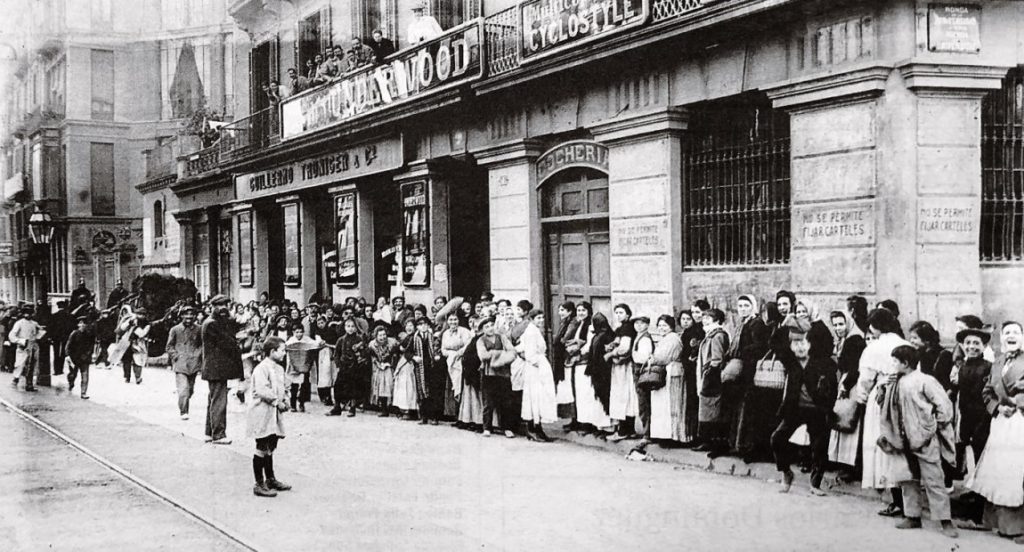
(644, 319)
(419, 6)
(187, 310)
(971, 321)
(984, 333)
(83, 319)
(219, 299)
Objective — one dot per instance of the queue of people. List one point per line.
(847, 390)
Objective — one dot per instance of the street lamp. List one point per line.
(40, 229)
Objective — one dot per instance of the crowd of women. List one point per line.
(783, 383)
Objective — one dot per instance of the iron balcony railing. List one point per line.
(203, 160)
(663, 10)
(250, 134)
(502, 35)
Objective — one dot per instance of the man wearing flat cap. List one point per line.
(25, 336)
(185, 351)
(222, 361)
(79, 352)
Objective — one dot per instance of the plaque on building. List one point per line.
(954, 28)
(456, 57)
(553, 25)
(834, 225)
(354, 161)
(947, 220)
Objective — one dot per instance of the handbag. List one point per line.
(651, 377)
(847, 413)
(733, 370)
(770, 373)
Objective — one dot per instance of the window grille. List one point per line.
(736, 199)
(1002, 171)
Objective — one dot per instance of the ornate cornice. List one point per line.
(507, 152)
(943, 78)
(856, 83)
(636, 125)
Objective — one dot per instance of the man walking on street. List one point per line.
(222, 361)
(79, 350)
(25, 336)
(185, 351)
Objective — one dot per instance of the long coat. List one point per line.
(222, 358)
(185, 349)
(263, 419)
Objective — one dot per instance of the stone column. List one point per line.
(517, 258)
(645, 208)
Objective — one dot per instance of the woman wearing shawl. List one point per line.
(849, 346)
(622, 402)
(538, 404)
(430, 376)
(348, 385)
(757, 417)
(471, 408)
(577, 345)
(750, 345)
(383, 355)
(593, 385)
(880, 467)
(520, 321)
(404, 396)
(567, 325)
(691, 335)
(454, 341)
(326, 371)
(1000, 473)
(667, 403)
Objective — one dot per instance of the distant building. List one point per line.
(98, 95)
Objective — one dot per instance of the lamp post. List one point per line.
(40, 229)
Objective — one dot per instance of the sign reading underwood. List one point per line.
(351, 162)
(450, 59)
(550, 25)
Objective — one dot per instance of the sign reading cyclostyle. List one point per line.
(453, 58)
(551, 25)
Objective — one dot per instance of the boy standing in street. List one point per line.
(916, 416)
(185, 351)
(79, 351)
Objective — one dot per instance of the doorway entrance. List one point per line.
(574, 218)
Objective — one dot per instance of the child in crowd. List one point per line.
(264, 421)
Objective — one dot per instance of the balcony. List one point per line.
(251, 134)
(204, 160)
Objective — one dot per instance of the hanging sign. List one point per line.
(578, 153)
(553, 25)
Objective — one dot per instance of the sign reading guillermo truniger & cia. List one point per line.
(351, 162)
(450, 59)
(551, 25)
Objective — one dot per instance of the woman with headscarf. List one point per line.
(577, 347)
(690, 336)
(757, 416)
(593, 382)
(454, 341)
(538, 403)
(882, 470)
(622, 402)
(567, 326)
(748, 347)
(667, 404)
(383, 351)
(404, 396)
(848, 348)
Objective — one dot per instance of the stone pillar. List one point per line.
(517, 259)
(261, 251)
(645, 208)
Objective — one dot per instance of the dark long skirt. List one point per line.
(757, 421)
(451, 404)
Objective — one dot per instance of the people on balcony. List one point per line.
(296, 83)
(334, 65)
(423, 27)
(382, 47)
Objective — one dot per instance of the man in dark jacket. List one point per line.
(81, 295)
(79, 350)
(807, 398)
(222, 361)
(185, 351)
(382, 47)
(117, 294)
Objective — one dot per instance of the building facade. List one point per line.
(651, 152)
(99, 90)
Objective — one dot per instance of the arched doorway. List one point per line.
(574, 219)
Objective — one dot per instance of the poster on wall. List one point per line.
(415, 234)
(245, 252)
(329, 258)
(345, 230)
(292, 245)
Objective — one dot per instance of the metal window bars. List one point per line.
(1002, 171)
(736, 186)
(501, 33)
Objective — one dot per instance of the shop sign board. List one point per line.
(954, 28)
(553, 25)
(350, 162)
(455, 57)
(577, 153)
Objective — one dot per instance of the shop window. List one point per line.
(415, 234)
(292, 244)
(736, 197)
(101, 170)
(1002, 171)
(245, 249)
(102, 85)
(345, 230)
